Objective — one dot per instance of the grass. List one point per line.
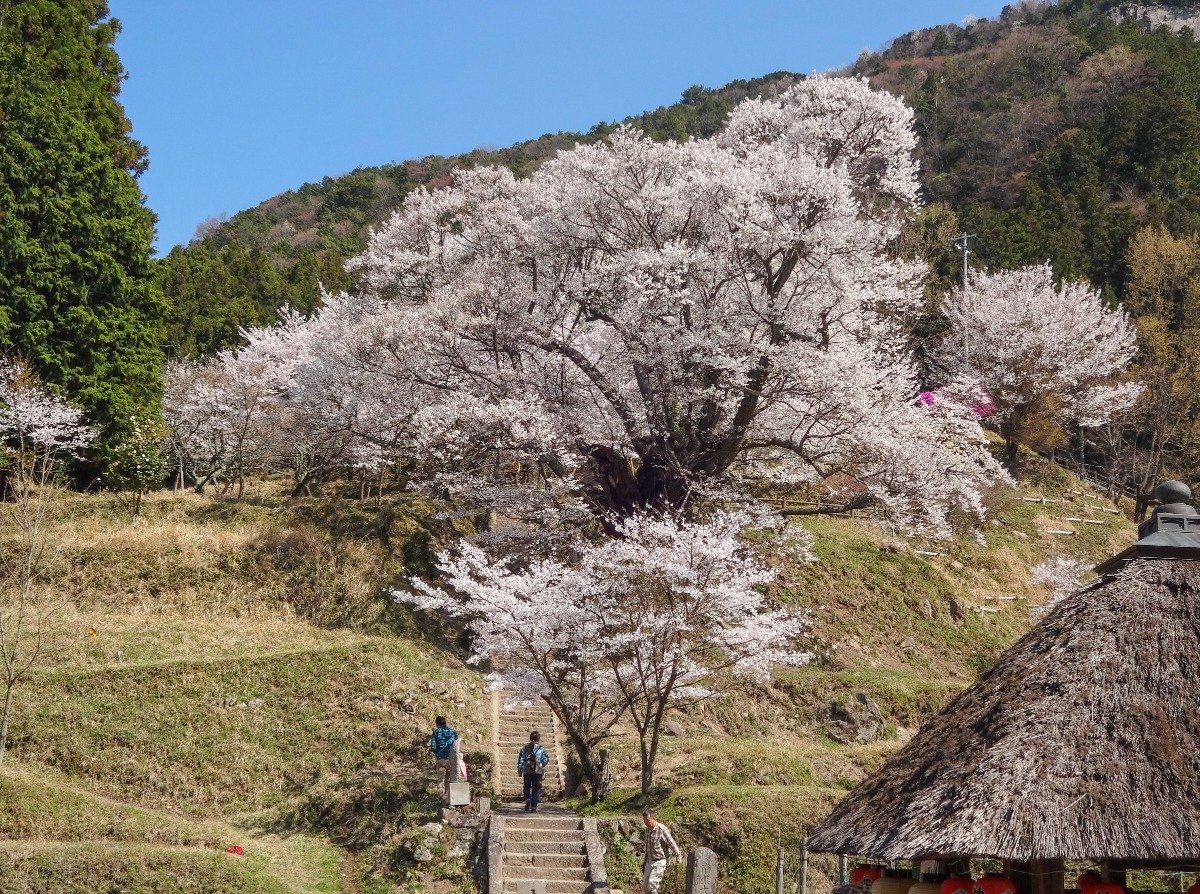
(232, 673)
(142, 869)
(215, 665)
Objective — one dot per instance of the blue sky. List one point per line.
(239, 100)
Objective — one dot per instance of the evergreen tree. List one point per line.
(77, 297)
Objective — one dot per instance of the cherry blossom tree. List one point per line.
(683, 618)
(640, 323)
(38, 430)
(537, 627)
(239, 413)
(1044, 354)
(666, 614)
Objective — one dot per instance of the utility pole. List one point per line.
(961, 243)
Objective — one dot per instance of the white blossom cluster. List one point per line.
(1063, 574)
(34, 419)
(649, 619)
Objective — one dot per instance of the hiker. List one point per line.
(659, 847)
(443, 743)
(531, 764)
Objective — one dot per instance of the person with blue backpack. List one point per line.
(531, 764)
(441, 742)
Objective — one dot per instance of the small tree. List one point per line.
(1044, 353)
(38, 429)
(138, 461)
(538, 627)
(666, 615)
(682, 618)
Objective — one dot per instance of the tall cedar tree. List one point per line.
(76, 292)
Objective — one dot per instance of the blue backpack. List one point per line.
(537, 754)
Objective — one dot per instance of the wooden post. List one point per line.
(701, 877)
(1047, 877)
(778, 870)
(843, 870)
(802, 871)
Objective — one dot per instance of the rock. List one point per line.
(907, 645)
(1020, 535)
(957, 612)
(580, 790)
(458, 851)
(858, 722)
(956, 565)
(422, 854)
(671, 728)
(255, 703)
(432, 828)
(926, 609)
(713, 727)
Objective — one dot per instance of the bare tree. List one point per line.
(38, 430)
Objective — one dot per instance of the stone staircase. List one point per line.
(513, 728)
(550, 847)
(553, 846)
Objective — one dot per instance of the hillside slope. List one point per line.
(230, 673)
(225, 674)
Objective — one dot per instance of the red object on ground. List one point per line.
(994, 884)
(860, 874)
(236, 849)
(958, 884)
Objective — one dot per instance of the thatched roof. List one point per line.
(1082, 742)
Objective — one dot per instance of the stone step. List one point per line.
(568, 861)
(544, 821)
(543, 834)
(555, 887)
(550, 874)
(544, 847)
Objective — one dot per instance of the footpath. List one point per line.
(555, 846)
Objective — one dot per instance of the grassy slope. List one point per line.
(143, 768)
(138, 753)
(750, 772)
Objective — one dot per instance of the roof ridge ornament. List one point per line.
(1173, 512)
(1171, 532)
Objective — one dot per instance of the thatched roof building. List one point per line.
(1081, 743)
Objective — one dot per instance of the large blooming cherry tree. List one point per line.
(641, 323)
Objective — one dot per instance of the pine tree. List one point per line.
(77, 297)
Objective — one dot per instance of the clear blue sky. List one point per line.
(239, 100)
